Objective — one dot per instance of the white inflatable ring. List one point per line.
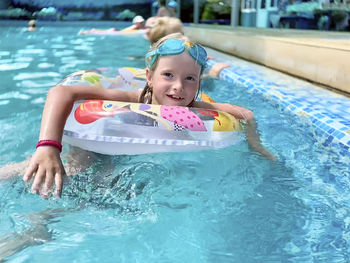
(113, 127)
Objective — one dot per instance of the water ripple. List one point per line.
(59, 46)
(63, 53)
(23, 59)
(6, 61)
(32, 51)
(14, 95)
(5, 53)
(33, 75)
(46, 65)
(14, 66)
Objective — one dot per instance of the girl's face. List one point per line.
(175, 80)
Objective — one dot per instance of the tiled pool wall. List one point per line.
(327, 112)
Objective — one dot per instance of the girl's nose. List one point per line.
(178, 85)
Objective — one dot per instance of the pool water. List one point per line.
(227, 205)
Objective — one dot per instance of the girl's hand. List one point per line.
(46, 168)
(217, 68)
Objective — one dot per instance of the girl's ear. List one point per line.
(149, 77)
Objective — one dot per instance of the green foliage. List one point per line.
(126, 15)
(339, 15)
(215, 9)
(14, 13)
(50, 11)
(208, 13)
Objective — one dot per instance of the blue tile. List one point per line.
(328, 140)
(340, 135)
(320, 116)
(324, 127)
(307, 110)
(317, 103)
(331, 130)
(336, 133)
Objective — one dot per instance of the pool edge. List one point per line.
(330, 128)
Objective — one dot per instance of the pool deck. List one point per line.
(327, 112)
(322, 57)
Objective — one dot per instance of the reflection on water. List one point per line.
(228, 205)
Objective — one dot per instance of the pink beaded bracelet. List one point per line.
(53, 143)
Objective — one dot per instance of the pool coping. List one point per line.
(328, 113)
(320, 56)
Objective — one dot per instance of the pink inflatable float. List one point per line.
(111, 31)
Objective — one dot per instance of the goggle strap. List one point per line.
(153, 60)
(149, 54)
(194, 51)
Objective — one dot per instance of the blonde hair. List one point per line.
(31, 23)
(147, 92)
(164, 26)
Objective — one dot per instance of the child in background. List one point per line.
(163, 26)
(172, 6)
(137, 24)
(174, 68)
(165, 11)
(31, 25)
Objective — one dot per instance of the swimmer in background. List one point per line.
(163, 11)
(137, 24)
(173, 71)
(172, 6)
(163, 26)
(167, 10)
(31, 25)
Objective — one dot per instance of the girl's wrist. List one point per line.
(53, 143)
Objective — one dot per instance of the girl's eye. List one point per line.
(168, 74)
(190, 78)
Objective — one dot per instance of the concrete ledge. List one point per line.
(321, 57)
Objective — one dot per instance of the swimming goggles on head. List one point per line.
(175, 47)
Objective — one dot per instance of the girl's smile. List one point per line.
(176, 98)
(175, 80)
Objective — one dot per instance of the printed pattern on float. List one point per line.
(115, 127)
(170, 116)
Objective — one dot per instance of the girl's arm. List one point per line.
(242, 114)
(46, 165)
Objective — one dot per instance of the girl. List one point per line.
(174, 68)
